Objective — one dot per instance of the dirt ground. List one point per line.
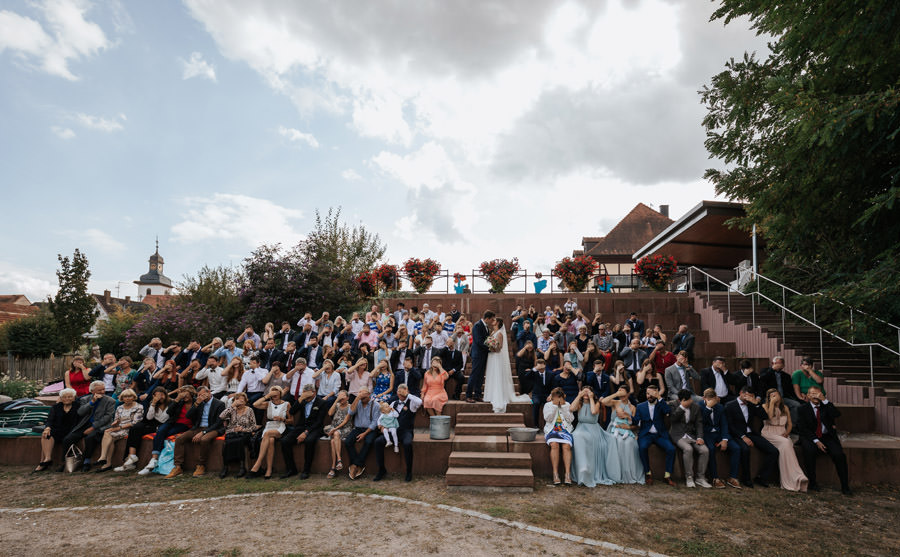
(660, 518)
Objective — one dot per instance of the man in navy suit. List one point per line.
(480, 333)
(541, 381)
(745, 430)
(637, 326)
(716, 436)
(649, 416)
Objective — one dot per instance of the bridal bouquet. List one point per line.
(493, 343)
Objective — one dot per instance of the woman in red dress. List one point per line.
(76, 377)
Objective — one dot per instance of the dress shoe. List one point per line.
(304, 475)
(287, 474)
(177, 471)
(408, 477)
(242, 472)
(86, 467)
(223, 472)
(648, 480)
(748, 484)
(760, 482)
(199, 471)
(253, 474)
(379, 476)
(470, 400)
(847, 491)
(671, 482)
(813, 487)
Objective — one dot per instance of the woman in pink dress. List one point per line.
(434, 397)
(776, 429)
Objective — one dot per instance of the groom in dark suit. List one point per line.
(480, 333)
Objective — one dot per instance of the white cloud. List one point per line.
(350, 175)
(67, 37)
(294, 136)
(99, 123)
(225, 218)
(429, 167)
(62, 133)
(197, 67)
(36, 285)
(101, 240)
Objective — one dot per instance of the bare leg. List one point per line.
(105, 445)
(263, 447)
(270, 452)
(554, 461)
(46, 449)
(567, 461)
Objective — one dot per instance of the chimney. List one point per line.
(664, 210)
(106, 296)
(127, 300)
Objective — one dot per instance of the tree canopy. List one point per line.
(809, 138)
(74, 310)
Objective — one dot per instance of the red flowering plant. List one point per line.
(421, 273)
(575, 272)
(459, 277)
(388, 277)
(656, 270)
(367, 283)
(499, 272)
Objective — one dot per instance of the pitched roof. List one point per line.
(638, 227)
(18, 299)
(156, 300)
(111, 304)
(12, 311)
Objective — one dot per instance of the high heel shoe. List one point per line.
(42, 466)
(253, 474)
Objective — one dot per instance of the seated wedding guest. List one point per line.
(434, 397)
(207, 425)
(61, 421)
(307, 415)
(686, 428)
(252, 380)
(248, 350)
(212, 374)
(329, 382)
(818, 435)
(269, 354)
(717, 437)
(406, 405)
(128, 414)
(807, 377)
(142, 377)
(567, 381)
(95, 412)
(232, 374)
(358, 378)
(743, 415)
(774, 377)
(76, 377)
(276, 411)
(178, 422)
(591, 354)
(540, 383)
(620, 377)
(558, 429)
(406, 374)
(276, 378)
(382, 381)
(240, 423)
(574, 357)
(155, 416)
(189, 375)
(646, 377)
(597, 380)
(623, 462)
(678, 376)
(588, 442)
(365, 413)
(776, 430)
(166, 377)
(746, 377)
(649, 417)
(633, 356)
(715, 377)
(298, 377)
(340, 426)
(661, 357)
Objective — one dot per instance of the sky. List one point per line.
(461, 131)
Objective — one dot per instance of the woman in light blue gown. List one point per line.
(623, 463)
(589, 442)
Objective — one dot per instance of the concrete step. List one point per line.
(464, 459)
(487, 418)
(488, 429)
(479, 443)
(490, 477)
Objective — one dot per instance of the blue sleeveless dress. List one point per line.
(589, 450)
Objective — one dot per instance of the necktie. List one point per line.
(818, 423)
(297, 388)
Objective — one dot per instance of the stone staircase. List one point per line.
(480, 459)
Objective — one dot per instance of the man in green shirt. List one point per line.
(807, 377)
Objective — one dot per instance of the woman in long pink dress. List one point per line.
(434, 397)
(776, 429)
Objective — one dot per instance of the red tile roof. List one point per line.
(18, 299)
(638, 227)
(156, 300)
(11, 312)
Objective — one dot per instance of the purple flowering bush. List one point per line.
(184, 321)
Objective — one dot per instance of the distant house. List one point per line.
(15, 306)
(106, 305)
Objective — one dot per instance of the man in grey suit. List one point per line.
(678, 376)
(686, 430)
(96, 411)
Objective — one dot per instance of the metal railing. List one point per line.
(522, 282)
(757, 295)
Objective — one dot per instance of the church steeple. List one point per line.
(154, 281)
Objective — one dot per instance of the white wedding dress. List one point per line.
(498, 382)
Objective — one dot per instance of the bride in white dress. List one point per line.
(498, 382)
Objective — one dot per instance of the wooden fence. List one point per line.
(36, 369)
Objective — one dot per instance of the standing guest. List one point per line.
(406, 405)
(207, 425)
(480, 332)
(95, 412)
(807, 377)
(434, 397)
(155, 416)
(646, 377)
(684, 340)
(313, 353)
(748, 377)
(819, 436)
(776, 430)
(365, 417)
(774, 377)
(679, 376)
(213, 375)
(178, 422)
(649, 417)
(567, 381)
(76, 377)
(588, 442)
(383, 383)
(744, 429)
(717, 436)
(525, 335)
(715, 377)
(687, 431)
(623, 463)
(341, 425)
(297, 378)
(269, 354)
(307, 418)
(558, 428)
(240, 423)
(128, 414)
(276, 411)
(61, 421)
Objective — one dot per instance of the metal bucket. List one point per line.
(440, 427)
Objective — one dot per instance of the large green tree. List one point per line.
(809, 138)
(73, 309)
(217, 288)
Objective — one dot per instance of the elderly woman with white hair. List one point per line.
(128, 414)
(60, 422)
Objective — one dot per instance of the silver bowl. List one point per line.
(522, 434)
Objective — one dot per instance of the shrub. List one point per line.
(34, 337)
(181, 321)
(19, 387)
(111, 333)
